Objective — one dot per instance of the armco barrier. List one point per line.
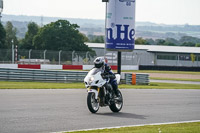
(61, 76)
(41, 75)
(137, 79)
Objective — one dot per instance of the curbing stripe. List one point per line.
(153, 124)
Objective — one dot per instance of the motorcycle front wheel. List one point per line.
(116, 106)
(92, 103)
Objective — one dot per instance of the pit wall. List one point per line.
(64, 67)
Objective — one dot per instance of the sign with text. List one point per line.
(120, 25)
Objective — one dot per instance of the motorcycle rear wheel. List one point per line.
(116, 106)
(92, 103)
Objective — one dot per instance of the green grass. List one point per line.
(176, 79)
(44, 85)
(164, 72)
(38, 85)
(168, 128)
(161, 86)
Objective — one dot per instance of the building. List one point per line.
(153, 55)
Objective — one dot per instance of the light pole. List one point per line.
(73, 52)
(45, 55)
(1, 8)
(59, 56)
(13, 51)
(29, 55)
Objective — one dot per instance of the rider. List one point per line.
(101, 62)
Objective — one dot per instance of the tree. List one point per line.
(27, 42)
(10, 35)
(2, 36)
(60, 35)
(188, 44)
(197, 45)
(160, 42)
(150, 41)
(140, 40)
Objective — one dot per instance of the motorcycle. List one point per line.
(100, 91)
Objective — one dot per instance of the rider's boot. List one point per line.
(115, 88)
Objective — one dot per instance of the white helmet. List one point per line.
(99, 62)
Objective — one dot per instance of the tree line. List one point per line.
(62, 35)
(59, 35)
(187, 41)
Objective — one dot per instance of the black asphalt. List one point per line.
(51, 110)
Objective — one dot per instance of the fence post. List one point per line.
(87, 59)
(59, 56)
(12, 52)
(72, 56)
(29, 55)
(45, 55)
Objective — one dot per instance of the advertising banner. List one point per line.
(120, 25)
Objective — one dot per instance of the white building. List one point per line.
(153, 55)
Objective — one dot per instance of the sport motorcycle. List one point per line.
(100, 91)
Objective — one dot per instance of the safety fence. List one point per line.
(137, 79)
(41, 75)
(8, 56)
(60, 76)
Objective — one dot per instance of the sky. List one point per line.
(157, 11)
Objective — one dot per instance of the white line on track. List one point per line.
(178, 122)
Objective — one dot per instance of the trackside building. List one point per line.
(152, 55)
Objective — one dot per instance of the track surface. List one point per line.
(23, 111)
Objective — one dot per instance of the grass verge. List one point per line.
(163, 72)
(176, 79)
(161, 86)
(168, 128)
(38, 85)
(44, 85)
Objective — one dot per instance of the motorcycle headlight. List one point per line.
(91, 79)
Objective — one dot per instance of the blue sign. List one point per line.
(124, 39)
(120, 25)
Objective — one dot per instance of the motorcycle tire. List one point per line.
(92, 103)
(116, 106)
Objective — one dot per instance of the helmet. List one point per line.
(99, 62)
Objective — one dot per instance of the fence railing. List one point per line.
(41, 75)
(58, 76)
(140, 79)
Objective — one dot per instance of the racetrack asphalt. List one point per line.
(53, 110)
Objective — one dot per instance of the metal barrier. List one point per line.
(141, 79)
(41, 75)
(58, 76)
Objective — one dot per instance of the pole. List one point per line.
(0, 17)
(29, 55)
(119, 57)
(59, 56)
(16, 52)
(12, 52)
(45, 55)
(73, 56)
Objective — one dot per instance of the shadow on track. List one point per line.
(123, 115)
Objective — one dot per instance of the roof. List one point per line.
(155, 48)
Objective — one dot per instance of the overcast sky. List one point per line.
(158, 11)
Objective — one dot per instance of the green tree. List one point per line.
(10, 35)
(27, 42)
(140, 40)
(150, 41)
(2, 36)
(197, 45)
(160, 42)
(188, 44)
(85, 39)
(60, 35)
